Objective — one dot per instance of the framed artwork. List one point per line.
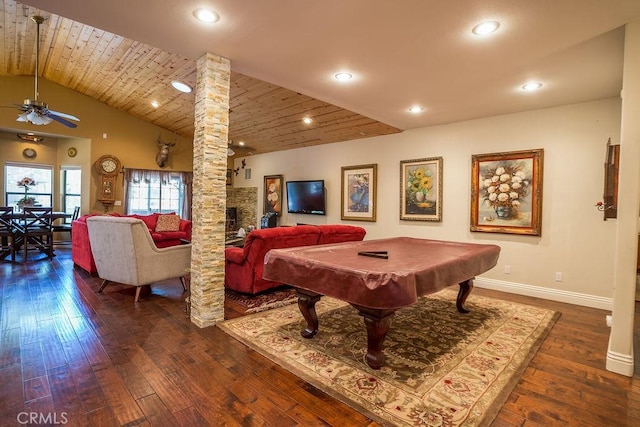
(421, 189)
(229, 177)
(611, 170)
(506, 192)
(273, 194)
(358, 194)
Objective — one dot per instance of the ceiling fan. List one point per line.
(38, 112)
(239, 148)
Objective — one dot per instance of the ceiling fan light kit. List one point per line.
(30, 137)
(37, 112)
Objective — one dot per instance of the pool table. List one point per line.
(378, 277)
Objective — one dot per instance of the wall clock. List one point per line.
(108, 167)
(29, 153)
(71, 152)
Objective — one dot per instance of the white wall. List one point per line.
(575, 240)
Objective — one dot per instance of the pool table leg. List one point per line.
(377, 322)
(307, 304)
(465, 289)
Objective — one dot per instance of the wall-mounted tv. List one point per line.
(306, 197)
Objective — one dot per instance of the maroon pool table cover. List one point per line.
(414, 267)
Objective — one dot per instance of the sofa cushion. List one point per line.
(149, 220)
(167, 223)
(157, 237)
(174, 235)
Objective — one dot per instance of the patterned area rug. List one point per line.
(442, 368)
(273, 298)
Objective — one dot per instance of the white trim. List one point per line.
(620, 363)
(545, 293)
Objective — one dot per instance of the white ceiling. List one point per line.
(401, 52)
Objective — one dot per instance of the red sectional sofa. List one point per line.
(81, 250)
(243, 266)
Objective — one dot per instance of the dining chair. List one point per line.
(7, 233)
(37, 229)
(66, 227)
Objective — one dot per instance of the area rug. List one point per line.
(442, 368)
(272, 298)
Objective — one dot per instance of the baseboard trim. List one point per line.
(620, 363)
(545, 293)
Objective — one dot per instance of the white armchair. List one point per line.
(124, 252)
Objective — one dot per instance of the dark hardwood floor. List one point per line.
(70, 356)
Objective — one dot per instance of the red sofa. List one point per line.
(243, 266)
(81, 249)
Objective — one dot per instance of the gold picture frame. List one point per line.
(421, 189)
(506, 192)
(358, 193)
(273, 194)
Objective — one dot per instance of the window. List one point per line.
(71, 189)
(154, 191)
(41, 191)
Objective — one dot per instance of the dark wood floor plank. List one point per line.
(11, 392)
(87, 386)
(118, 397)
(173, 397)
(100, 359)
(32, 361)
(36, 388)
(156, 412)
(191, 417)
(136, 384)
(9, 347)
(211, 409)
(53, 353)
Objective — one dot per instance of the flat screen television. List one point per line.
(306, 197)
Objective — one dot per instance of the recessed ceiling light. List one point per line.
(416, 109)
(241, 143)
(307, 120)
(531, 86)
(182, 87)
(343, 77)
(155, 104)
(484, 28)
(206, 15)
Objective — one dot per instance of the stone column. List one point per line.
(209, 189)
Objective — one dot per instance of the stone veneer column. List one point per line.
(209, 189)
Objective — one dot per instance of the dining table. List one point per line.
(19, 220)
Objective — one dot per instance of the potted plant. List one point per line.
(27, 200)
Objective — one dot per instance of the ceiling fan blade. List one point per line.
(61, 120)
(64, 115)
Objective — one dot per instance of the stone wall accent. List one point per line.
(246, 200)
(209, 184)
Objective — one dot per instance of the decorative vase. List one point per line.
(503, 212)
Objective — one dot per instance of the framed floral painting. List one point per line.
(506, 192)
(358, 193)
(421, 189)
(273, 194)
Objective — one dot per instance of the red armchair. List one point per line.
(243, 266)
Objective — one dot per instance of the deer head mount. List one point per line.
(162, 158)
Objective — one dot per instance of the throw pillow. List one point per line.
(168, 223)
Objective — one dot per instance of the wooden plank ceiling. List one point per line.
(128, 75)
